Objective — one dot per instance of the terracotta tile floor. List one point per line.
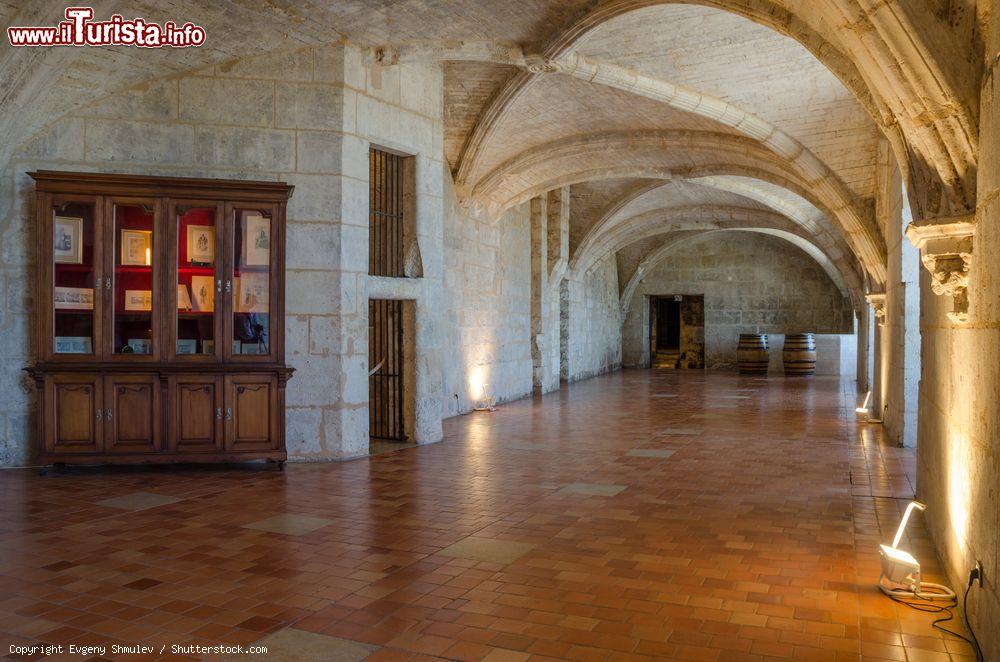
(752, 537)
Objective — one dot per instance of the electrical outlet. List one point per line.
(976, 574)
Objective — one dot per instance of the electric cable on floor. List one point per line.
(928, 606)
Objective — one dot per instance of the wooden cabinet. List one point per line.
(160, 318)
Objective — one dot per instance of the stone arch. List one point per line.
(852, 291)
(718, 218)
(902, 85)
(649, 154)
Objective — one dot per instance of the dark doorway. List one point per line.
(668, 324)
(677, 331)
(385, 360)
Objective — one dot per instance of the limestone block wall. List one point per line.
(305, 117)
(958, 450)
(593, 324)
(486, 303)
(752, 284)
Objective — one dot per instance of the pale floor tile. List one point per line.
(649, 452)
(504, 655)
(682, 431)
(290, 524)
(291, 645)
(592, 489)
(489, 550)
(527, 446)
(138, 501)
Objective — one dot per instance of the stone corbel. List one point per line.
(945, 246)
(877, 302)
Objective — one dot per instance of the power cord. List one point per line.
(927, 605)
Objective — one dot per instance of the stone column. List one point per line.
(862, 321)
(877, 405)
(539, 292)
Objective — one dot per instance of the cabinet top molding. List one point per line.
(58, 181)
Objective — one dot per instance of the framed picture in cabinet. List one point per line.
(203, 293)
(137, 248)
(72, 298)
(257, 240)
(67, 240)
(201, 244)
(138, 300)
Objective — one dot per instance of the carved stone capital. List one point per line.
(945, 246)
(538, 64)
(877, 301)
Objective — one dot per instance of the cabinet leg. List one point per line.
(279, 464)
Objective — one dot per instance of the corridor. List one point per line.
(638, 515)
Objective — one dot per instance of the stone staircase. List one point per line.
(666, 360)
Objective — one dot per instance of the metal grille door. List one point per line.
(385, 214)
(385, 358)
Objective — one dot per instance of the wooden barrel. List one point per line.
(752, 354)
(799, 355)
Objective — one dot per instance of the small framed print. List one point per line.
(208, 347)
(73, 345)
(237, 347)
(203, 293)
(253, 348)
(137, 248)
(256, 239)
(138, 300)
(183, 298)
(140, 345)
(73, 298)
(253, 293)
(201, 244)
(187, 346)
(67, 240)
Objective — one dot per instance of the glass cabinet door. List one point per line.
(251, 281)
(76, 281)
(133, 281)
(198, 283)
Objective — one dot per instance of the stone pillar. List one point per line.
(877, 405)
(558, 231)
(862, 321)
(539, 292)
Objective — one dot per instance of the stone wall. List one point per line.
(752, 283)
(594, 333)
(306, 117)
(958, 450)
(487, 292)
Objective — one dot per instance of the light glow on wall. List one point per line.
(959, 489)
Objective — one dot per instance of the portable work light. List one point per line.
(900, 567)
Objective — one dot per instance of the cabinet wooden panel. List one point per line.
(195, 412)
(160, 318)
(132, 413)
(74, 413)
(251, 412)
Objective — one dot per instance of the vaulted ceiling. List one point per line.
(755, 111)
